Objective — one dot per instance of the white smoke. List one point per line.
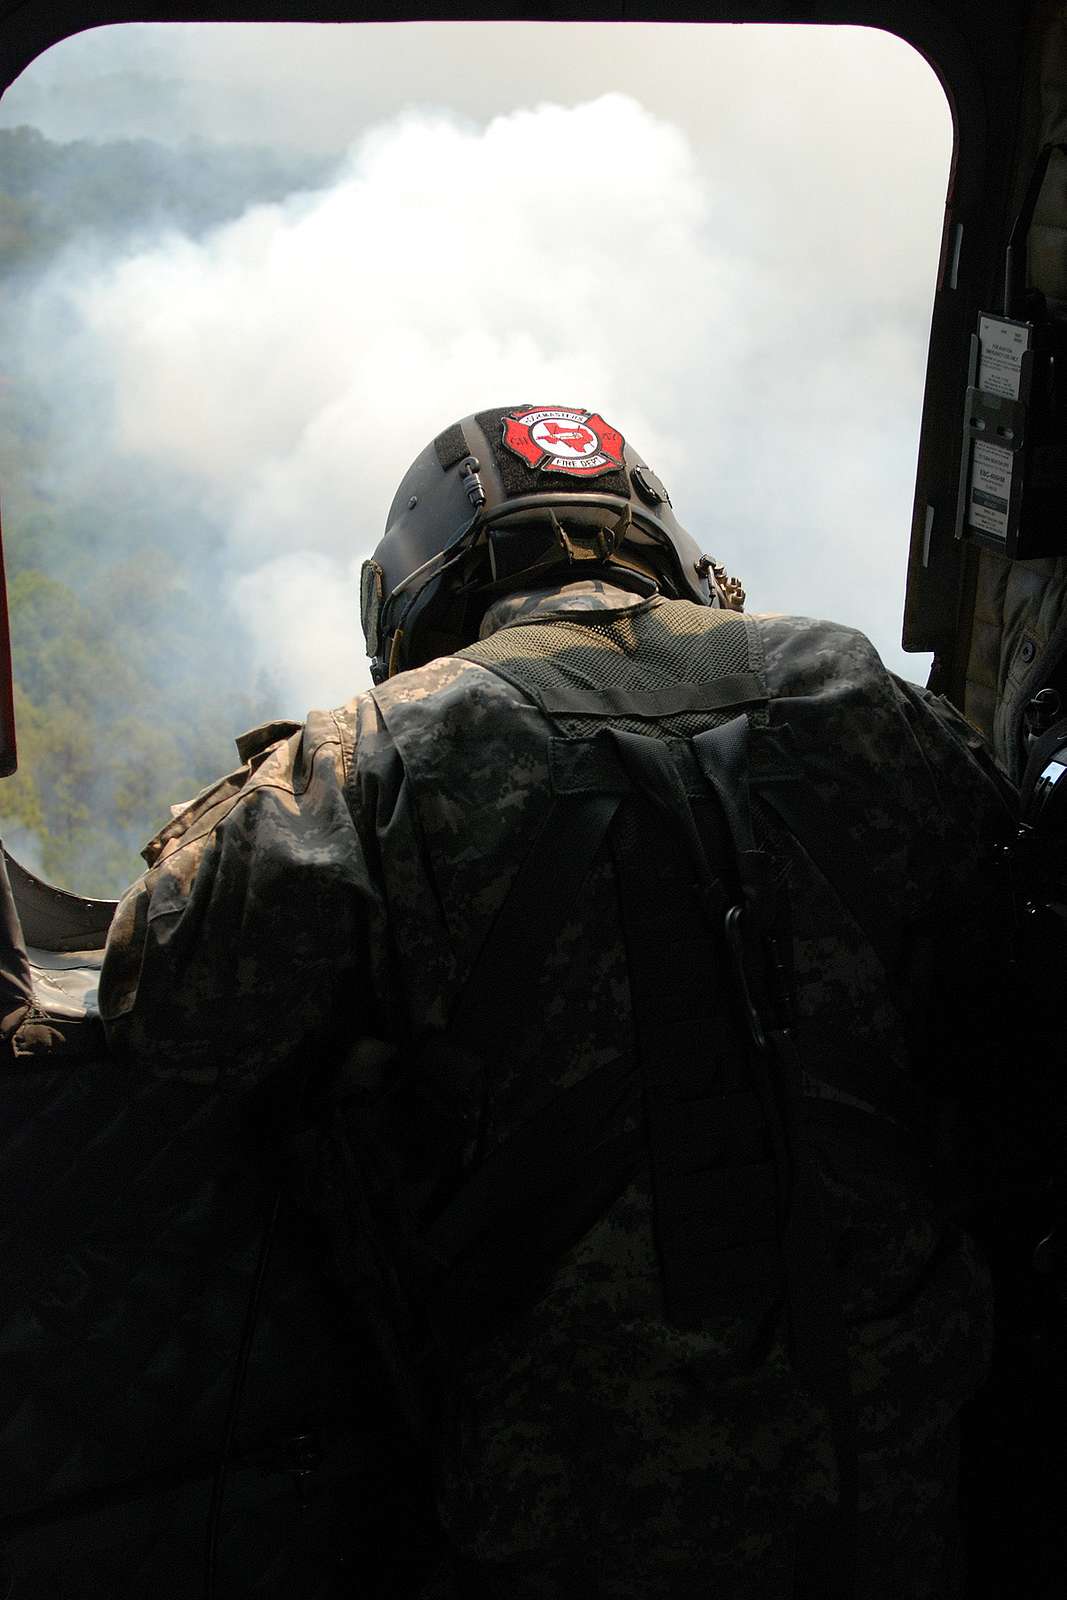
(321, 660)
(291, 363)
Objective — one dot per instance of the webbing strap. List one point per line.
(825, 1563)
(723, 757)
(826, 1546)
(742, 688)
(648, 764)
(714, 1180)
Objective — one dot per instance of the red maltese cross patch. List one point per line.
(557, 439)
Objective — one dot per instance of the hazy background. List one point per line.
(251, 271)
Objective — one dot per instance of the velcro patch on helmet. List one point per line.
(563, 439)
(452, 446)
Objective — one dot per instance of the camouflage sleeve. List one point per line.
(968, 819)
(995, 1087)
(965, 750)
(250, 927)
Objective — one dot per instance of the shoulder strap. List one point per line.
(714, 1168)
(826, 1553)
(778, 1228)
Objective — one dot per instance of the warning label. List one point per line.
(1003, 343)
(990, 489)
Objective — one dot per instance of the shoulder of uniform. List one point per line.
(795, 626)
(276, 755)
(318, 728)
(258, 740)
(803, 654)
(439, 681)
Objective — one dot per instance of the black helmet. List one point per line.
(501, 499)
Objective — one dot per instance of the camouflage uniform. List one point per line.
(345, 878)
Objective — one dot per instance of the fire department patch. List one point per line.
(557, 439)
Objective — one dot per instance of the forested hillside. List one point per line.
(130, 681)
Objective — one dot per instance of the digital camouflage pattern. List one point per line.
(339, 886)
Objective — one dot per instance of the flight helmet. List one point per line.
(510, 497)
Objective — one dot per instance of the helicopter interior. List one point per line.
(107, 1488)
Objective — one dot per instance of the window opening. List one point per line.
(251, 270)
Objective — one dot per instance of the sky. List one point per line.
(723, 239)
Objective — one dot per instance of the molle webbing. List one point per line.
(721, 693)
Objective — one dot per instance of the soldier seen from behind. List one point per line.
(619, 955)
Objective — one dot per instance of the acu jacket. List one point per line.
(599, 1433)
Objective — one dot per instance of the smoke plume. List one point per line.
(275, 374)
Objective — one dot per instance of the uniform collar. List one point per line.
(586, 594)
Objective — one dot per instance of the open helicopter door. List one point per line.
(8, 750)
(51, 920)
(16, 984)
(987, 577)
(987, 592)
